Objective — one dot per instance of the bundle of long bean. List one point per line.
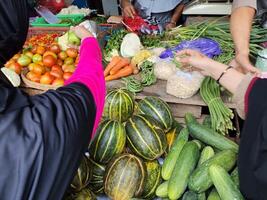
(221, 115)
(147, 74)
(147, 78)
(132, 84)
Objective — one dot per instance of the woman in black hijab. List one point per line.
(250, 97)
(43, 137)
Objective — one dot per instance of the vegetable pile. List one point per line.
(199, 163)
(44, 61)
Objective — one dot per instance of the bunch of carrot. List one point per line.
(119, 67)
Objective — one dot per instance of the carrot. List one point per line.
(126, 71)
(135, 69)
(123, 62)
(114, 61)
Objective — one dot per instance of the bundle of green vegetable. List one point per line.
(220, 114)
(147, 78)
(218, 31)
(114, 43)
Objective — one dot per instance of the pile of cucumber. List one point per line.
(198, 166)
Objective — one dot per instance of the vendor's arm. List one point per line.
(127, 8)
(235, 82)
(241, 21)
(176, 16)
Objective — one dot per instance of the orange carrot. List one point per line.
(114, 61)
(123, 62)
(135, 69)
(126, 71)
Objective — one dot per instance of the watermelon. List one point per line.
(96, 184)
(158, 110)
(124, 177)
(144, 138)
(119, 105)
(85, 194)
(108, 142)
(82, 177)
(152, 180)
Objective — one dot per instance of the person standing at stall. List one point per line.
(243, 13)
(168, 13)
(43, 137)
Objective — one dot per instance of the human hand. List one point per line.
(170, 26)
(195, 59)
(128, 10)
(81, 32)
(242, 64)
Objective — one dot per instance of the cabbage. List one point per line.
(130, 45)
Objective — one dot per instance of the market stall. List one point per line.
(167, 131)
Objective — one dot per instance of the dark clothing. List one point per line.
(13, 27)
(252, 161)
(42, 140)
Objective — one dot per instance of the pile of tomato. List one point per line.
(46, 65)
(45, 39)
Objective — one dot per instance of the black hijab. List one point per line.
(252, 161)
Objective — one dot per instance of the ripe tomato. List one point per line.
(55, 48)
(67, 75)
(15, 67)
(50, 53)
(38, 69)
(68, 68)
(60, 62)
(46, 79)
(49, 61)
(58, 82)
(40, 50)
(71, 52)
(33, 77)
(62, 55)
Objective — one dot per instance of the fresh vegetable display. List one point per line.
(221, 115)
(131, 169)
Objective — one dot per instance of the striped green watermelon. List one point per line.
(85, 194)
(152, 180)
(82, 177)
(108, 142)
(119, 105)
(124, 177)
(144, 138)
(158, 110)
(96, 184)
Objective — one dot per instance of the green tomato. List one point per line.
(24, 60)
(37, 58)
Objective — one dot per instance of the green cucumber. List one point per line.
(190, 195)
(235, 177)
(199, 144)
(207, 121)
(169, 162)
(208, 136)
(162, 190)
(214, 195)
(184, 166)
(206, 154)
(224, 184)
(201, 196)
(200, 180)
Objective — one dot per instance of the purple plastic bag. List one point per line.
(206, 46)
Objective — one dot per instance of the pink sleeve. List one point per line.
(90, 72)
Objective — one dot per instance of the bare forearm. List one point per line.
(177, 13)
(241, 21)
(230, 80)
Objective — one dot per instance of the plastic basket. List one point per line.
(76, 19)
